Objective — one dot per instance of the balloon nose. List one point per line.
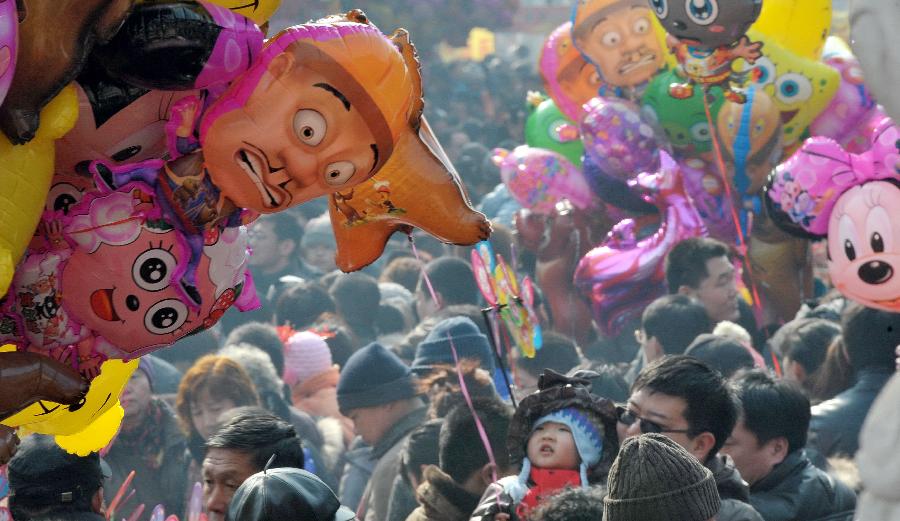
(875, 272)
(679, 25)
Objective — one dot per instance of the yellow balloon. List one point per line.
(25, 174)
(799, 25)
(80, 429)
(800, 87)
(259, 11)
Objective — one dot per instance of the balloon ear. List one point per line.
(400, 38)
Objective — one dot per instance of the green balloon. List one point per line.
(683, 120)
(547, 127)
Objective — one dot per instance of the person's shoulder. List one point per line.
(736, 510)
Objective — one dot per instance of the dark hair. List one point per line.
(675, 321)
(219, 376)
(284, 226)
(337, 337)
(441, 386)
(420, 448)
(833, 377)
(301, 304)
(572, 504)
(710, 404)
(462, 451)
(606, 380)
(261, 335)
(356, 297)
(404, 271)
(260, 434)
(390, 319)
(805, 341)
(870, 337)
(721, 353)
(773, 408)
(453, 279)
(686, 262)
(557, 352)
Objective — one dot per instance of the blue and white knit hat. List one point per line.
(588, 439)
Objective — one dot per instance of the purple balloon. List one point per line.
(617, 138)
(623, 275)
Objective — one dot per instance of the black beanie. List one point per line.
(655, 479)
(374, 376)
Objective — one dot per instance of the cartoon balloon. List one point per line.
(617, 139)
(708, 36)
(800, 25)
(801, 87)
(618, 37)
(547, 127)
(874, 37)
(703, 183)
(750, 135)
(9, 43)
(260, 11)
(181, 45)
(54, 41)
(623, 275)
(569, 79)
(850, 199)
(538, 179)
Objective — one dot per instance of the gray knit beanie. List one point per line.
(654, 479)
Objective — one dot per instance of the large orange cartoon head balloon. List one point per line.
(322, 110)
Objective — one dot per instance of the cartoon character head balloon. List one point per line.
(707, 23)
(569, 79)
(850, 199)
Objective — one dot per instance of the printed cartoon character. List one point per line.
(383, 191)
(708, 35)
(617, 36)
(547, 127)
(569, 79)
(751, 139)
(854, 198)
(343, 207)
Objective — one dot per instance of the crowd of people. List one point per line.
(381, 395)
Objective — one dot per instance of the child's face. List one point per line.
(552, 446)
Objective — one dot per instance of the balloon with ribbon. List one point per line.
(623, 275)
(547, 127)
(538, 178)
(568, 78)
(850, 199)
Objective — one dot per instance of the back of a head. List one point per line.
(686, 263)
(356, 296)
(279, 494)
(261, 335)
(284, 226)
(606, 380)
(301, 304)
(710, 403)
(675, 321)
(454, 279)
(462, 450)
(261, 435)
(441, 385)
(557, 352)
(571, 504)
(420, 449)
(722, 354)
(773, 408)
(870, 337)
(805, 341)
(655, 479)
(404, 271)
(262, 372)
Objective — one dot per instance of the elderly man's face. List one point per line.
(224, 470)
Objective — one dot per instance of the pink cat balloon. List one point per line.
(850, 198)
(539, 178)
(623, 275)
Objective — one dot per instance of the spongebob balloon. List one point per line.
(801, 87)
(799, 25)
(25, 173)
(86, 426)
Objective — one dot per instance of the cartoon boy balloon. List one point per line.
(617, 36)
(708, 36)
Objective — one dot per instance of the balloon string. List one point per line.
(459, 374)
(720, 163)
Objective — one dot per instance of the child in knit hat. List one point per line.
(563, 436)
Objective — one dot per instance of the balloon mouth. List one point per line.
(102, 305)
(788, 115)
(254, 165)
(647, 58)
(254, 5)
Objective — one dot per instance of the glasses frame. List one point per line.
(622, 410)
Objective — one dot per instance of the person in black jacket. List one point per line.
(767, 446)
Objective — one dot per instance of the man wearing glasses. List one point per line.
(687, 401)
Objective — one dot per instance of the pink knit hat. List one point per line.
(305, 355)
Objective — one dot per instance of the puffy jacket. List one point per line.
(442, 499)
(733, 491)
(796, 490)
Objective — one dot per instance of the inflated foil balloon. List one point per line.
(799, 25)
(617, 138)
(547, 127)
(54, 41)
(876, 42)
(851, 199)
(9, 43)
(569, 79)
(181, 45)
(623, 275)
(260, 11)
(538, 178)
(703, 183)
(750, 135)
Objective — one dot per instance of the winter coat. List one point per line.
(442, 499)
(69, 516)
(733, 491)
(796, 490)
(358, 468)
(835, 424)
(403, 500)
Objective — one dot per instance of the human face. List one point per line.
(718, 292)
(370, 423)
(224, 470)
(624, 47)
(320, 257)
(264, 245)
(205, 411)
(668, 413)
(754, 461)
(298, 136)
(552, 446)
(136, 398)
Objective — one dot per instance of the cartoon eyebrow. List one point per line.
(338, 94)
(375, 152)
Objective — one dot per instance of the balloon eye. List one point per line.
(152, 270)
(702, 12)
(877, 243)
(661, 7)
(310, 127)
(849, 250)
(339, 172)
(165, 316)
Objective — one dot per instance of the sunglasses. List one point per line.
(627, 417)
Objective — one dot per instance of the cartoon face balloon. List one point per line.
(851, 199)
(617, 36)
(751, 139)
(259, 10)
(707, 23)
(683, 120)
(569, 79)
(547, 127)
